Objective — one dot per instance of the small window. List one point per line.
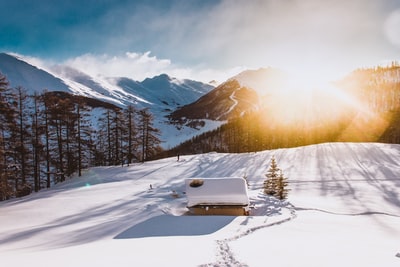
(196, 183)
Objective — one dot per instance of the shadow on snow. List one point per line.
(167, 225)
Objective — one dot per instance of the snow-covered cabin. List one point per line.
(217, 196)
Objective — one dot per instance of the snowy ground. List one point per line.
(343, 210)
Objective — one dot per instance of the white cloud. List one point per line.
(215, 41)
(133, 65)
(139, 66)
(340, 33)
(392, 27)
(34, 61)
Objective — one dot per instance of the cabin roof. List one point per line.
(216, 191)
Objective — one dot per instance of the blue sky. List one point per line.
(201, 37)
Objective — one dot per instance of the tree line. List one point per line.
(46, 138)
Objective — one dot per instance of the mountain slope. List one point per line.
(228, 100)
(181, 108)
(264, 80)
(165, 91)
(344, 200)
(161, 94)
(20, 73)
(244, 92)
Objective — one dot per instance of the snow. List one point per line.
(226, 190)
(343, 210)
(161, 94)
(231, 108)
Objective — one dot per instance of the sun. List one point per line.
(307, 79)
(309, 96)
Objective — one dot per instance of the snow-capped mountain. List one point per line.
(174, 92)
(20, 73)
(181, 108)
(161, 94)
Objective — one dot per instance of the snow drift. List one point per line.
(343, 210)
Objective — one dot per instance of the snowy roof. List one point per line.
(216, 191)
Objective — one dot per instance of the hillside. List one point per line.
(343, 210)
(226, 101)
(245, 92)
(362, 107)
(161, 94)
(20, 73)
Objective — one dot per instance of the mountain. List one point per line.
(20, 73)
(342, 210)
(225, 101)
(263, 80)
(244, 92)
(165, 91)
(181, 108)
(161, 94)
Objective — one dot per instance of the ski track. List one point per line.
(235, 102)
(347, 214)
(226, 257)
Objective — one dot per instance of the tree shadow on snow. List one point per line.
(167, 225)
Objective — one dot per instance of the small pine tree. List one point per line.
(271, 183)
(276, 183)
(282, 186)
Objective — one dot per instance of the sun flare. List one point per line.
(311, 78)
(310, 97)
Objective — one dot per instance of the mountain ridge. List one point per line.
(160, 94)
(228, 100)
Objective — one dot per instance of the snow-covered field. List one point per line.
(343, 210)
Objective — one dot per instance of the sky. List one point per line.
(203, 39)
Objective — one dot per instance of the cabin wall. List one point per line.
(219, 210)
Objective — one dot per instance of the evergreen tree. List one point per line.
(276, 183)
(282, 186)
(271, 183)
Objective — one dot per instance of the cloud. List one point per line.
(220, 34)
(263, 33)
(139, 66)
(392, 27)
(133, 65)
(207, 40)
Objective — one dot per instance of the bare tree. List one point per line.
(148, 135)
